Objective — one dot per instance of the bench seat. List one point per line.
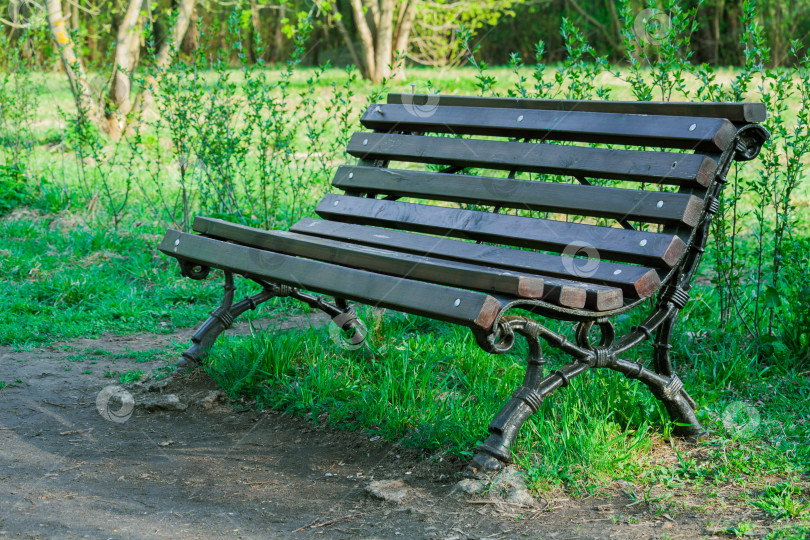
(459, 306)
(427, 265)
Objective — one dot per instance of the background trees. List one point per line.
(103, 43)
(368, 33)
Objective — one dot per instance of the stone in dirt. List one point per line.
(512, 484)
(471, 486)
(508, 485)
(393, 491)
(211, 398)
(161, 402)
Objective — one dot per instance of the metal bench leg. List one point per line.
(670, 391)
(679, 405)
(496, 451)
(220, 320)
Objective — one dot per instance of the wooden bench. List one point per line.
(491, 208)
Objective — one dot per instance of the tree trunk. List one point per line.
(74, 16)
(718, 17)
(278, 42)
(74, 69)
(372, 16)
(255, 30)
(190, 40)
(167, 50)
(169, 47)
(127, 46)
(366, 42)
(402, 38)
(380, 34)
(385, 35)
(346, 36)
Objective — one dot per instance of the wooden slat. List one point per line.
(641, 166)
(577, 294)
(685, 132)
(459, 306)
(444, 272)
(467, 273)
(650, 249)
(634, 281)
(615, 203)
(735, 112)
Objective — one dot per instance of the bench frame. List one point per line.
(662, 379)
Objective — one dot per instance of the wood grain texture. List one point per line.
(637, 247)
(660, 131)
(634, 281)
(629, 204)
(734, 112)
(468, 308)
(641, 166)
(408, 265)
(434, 268)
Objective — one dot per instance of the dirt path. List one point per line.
(211, 471)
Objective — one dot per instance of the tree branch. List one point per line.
(347, 38)
(597, 24)
(366, 40)
(74, 69)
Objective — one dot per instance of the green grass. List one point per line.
(69, 281)
(133, 375)
(428, 385)
(791, 532)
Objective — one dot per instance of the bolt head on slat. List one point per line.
(660, 204)
(351, 175)
(692, 127)
(365, 142)
(643, 243)
(617, 272)
(457, 302)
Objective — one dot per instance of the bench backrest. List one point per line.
(627, 183)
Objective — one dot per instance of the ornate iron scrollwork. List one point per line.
(583, 334)
(222, 318)
(194, 271)
(749, 142)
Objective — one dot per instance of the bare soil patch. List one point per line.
(213, 469)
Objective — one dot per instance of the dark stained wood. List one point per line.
(469, 273)
(585, 295)
(684, 132)
(473, 309)
(650, 249)
(615, 203)
(641, 166)
(418, 267)
(734, 112)
(634, 281)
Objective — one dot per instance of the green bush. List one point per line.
(14, 188)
